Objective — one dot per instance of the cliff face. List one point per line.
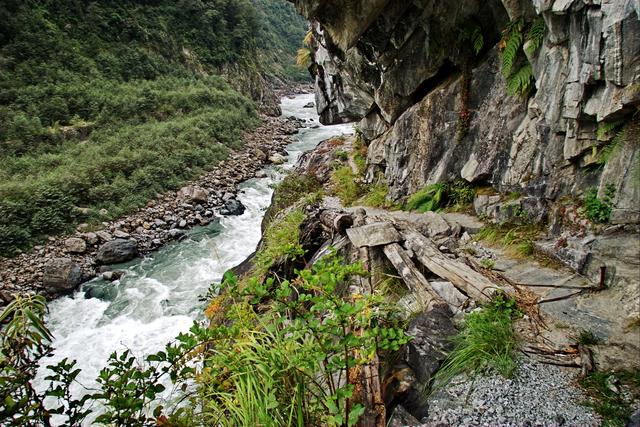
(434, 110)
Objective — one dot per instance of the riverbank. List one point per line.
(59, 266)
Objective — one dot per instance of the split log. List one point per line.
(463, 277)
(336, 221)
(413, 278)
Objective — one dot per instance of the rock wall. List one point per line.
(403, 70)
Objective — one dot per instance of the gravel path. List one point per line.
(538, 395)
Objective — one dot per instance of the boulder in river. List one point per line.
(61, 274)
(232, 207)
(75, 245)
(118, 250)
(309, 105)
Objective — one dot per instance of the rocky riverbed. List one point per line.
(60, 265)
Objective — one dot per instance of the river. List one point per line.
(158, 296)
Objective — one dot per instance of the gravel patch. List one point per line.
(537, 395)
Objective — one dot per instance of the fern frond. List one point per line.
(308, 38)
(477, 39)
(535, 35)
(303, 57)
(520, 83)
(512, 41)
(611, 148)
(605, 128)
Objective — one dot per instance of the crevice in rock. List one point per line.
(445, 72)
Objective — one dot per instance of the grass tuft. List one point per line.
(486, 342)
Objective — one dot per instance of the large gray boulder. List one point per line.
(61, 275)
(118, 250)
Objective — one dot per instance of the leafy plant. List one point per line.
(535, 35)
(588, 338)
(472, 33)
(521, 82)
(596, 209)
(488, 263)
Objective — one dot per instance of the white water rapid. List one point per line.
(157, 298)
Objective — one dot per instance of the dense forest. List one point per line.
(105, 103)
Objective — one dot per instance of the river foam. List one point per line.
(158, 297)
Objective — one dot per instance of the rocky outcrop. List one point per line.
(433, 111)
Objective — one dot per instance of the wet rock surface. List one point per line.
(116, 251)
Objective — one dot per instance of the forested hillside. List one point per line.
(105, 103)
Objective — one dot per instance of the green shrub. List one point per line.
(596, 209)
(293, 188)
(430, 198)
(272, 368)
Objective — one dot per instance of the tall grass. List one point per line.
(486, 342)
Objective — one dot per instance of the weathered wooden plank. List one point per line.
(374, 234)
(463, 277)
(415, 281)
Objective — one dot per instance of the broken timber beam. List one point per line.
(412, 277)
(463, 277)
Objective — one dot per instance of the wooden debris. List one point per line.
(463, 277)
(335, 220)
(412, 277)
(375, 234)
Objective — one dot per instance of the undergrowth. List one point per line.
(596, 209)
(457, 195)
(285, 353)
(281, 241)
(517, 240)
(486, 342)
(607, 399)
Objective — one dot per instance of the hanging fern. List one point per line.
(303, 57)
(473, 34)
(308, 39)
(605, 128)
(521, 82)
(512, 39)
(535, 35)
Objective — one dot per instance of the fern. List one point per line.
(535, 35)
(511, 41)
(427, 199)
(605, 128)
(308, 39)
(473, 34)
(521, 82)
(477, 39)
(303, 57)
